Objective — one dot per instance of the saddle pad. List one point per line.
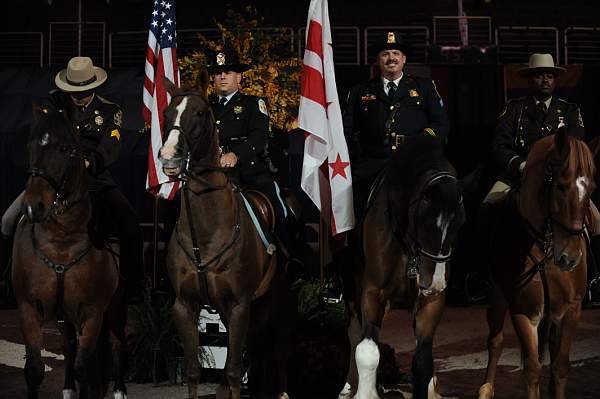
(263, 233)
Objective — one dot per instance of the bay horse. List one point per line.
(58, 274)
(406, 238)
(538, 261)
(216, 256)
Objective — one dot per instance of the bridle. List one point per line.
(60, 203)
(415, 250)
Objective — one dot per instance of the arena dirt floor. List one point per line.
(459, 351)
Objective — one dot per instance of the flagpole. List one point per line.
(155, 246)
(322, 232)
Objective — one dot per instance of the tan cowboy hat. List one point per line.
(80, 75)
(541, 63)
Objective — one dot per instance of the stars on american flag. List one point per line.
(163, 23)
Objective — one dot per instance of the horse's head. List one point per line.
(56, 167)
(427, 184)
(556, 187)
(192, 134)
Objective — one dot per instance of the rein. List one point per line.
(410, 242)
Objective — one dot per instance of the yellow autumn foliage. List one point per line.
(275, 72)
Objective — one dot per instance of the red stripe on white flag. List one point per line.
(326, 176)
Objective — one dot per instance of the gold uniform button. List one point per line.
(393, 134)
(218, 122)
(391, 107)
(393, 147)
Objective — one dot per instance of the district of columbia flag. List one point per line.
(161, 62)
(326, 176)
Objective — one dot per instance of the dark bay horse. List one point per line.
(406, 237)
(216, 255)
(539, 261)
(58, 274)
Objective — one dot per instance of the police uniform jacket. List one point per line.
(522, 123)
(243, 126)
(99, 128)
(375, 125)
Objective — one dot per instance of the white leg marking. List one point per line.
(346, 391)
(438, 282)
(283, 395)
(69, 394)
(431, 389)
(582, 184)
(119, 395)
(169, 148)
(367, 360)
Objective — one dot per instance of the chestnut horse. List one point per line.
(58, 274)
(539, 261)
(407, 236)
(216, 256)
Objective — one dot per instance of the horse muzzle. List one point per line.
(566, 261)
(171, 166)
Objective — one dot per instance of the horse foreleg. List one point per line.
(366, 353)
(239, 319)
(31, 328)
(527, 332)
(117, 321)
(496, 314)
(186, 321)
(354, 336)
(428, 314)
(561, 336)
(70, 351)
(86, 356)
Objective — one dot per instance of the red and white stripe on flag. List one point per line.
(326, 176)
(161, 62)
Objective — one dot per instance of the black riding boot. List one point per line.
(593, 272)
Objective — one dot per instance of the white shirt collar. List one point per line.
(547, 102)
(228, 97)
(396, 82)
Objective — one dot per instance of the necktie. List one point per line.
(223, 101)
(391, 89)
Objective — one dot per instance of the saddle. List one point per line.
(262, 207)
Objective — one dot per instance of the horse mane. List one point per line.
(417, 155)
(580, 159)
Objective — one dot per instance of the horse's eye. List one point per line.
(200, 112)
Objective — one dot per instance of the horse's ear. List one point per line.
(203, 82)
(562, 144)
(169, 86)
(594, 146)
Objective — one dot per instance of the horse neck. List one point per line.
(70, 225)
(211, 211)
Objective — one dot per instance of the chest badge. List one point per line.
(413, 93)
(99, 120)
(368, 97)
(238, 109)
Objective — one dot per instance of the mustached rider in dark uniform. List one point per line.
(381, 112)
(243, 125)
(98, 123)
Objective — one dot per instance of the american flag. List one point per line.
(161, 61)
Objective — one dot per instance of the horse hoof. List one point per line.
(346, 393)
(119, 395)
(432, 389)
(69, 394)
(486, 391)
